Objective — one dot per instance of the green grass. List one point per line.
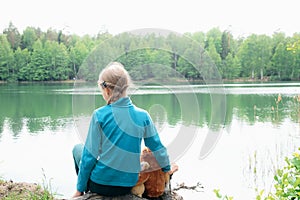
(23, 191)
(10, 190)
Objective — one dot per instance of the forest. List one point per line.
(36, 55)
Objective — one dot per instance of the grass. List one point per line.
(10, 190)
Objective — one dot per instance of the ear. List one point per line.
(107, 91)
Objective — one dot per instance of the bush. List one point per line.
(287, 181)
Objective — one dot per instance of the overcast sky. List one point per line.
(241, 17)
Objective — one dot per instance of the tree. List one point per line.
(28, 38)
(264, 51)
(214, 55)
(22, 61)
(277, 37)
(6, 58)
(77, 55)
(95, 61)
(173, 43)
(281, 61)
(231, 67)
(38, 64)
(186, 69)
(13, 36)
(57, 61)
(51, 35)
(53, 55)
(227, 39)
(294, 47)
(248, 54)
(199, 37)
(296, 74)
(62, 61)
(215, 35)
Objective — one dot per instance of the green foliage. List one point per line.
(288, 179)
(28, 38)
(220, 196)
(6, 58)
(287, 182)
(294, 47)
(54, 55)
(47, 188)
(13, 36)
(77, 54)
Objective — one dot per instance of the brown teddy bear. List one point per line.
(139, 187)
(152, 180)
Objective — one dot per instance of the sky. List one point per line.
(241, 17)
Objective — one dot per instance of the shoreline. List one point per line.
(171, 81)
(23, 190)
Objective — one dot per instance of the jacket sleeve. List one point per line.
(153, 142)
(90, 154)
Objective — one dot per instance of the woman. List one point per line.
(109, 162)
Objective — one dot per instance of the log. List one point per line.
(93, 196)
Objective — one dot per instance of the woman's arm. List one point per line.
(153, 142)
(90, 154)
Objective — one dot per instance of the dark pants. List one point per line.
(104, 190)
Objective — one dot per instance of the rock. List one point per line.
(94, 196)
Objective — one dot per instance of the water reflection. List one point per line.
(46, 108)
(35, 106)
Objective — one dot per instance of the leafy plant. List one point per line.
(288, 179)
(287, 182)
(220, 196)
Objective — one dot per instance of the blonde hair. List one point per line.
(115, 77)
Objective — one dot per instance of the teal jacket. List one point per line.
(111, 154)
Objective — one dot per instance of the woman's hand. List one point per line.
(77, 194)
(174, 168)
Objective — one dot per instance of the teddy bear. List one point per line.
(152, 180)
(139, 187)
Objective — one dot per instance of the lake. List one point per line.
(230, 137)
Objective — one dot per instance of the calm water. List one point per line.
(250, 132)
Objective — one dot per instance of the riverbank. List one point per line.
(22, 190)
(170, 81)
(24, 82)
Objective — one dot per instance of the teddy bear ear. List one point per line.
(145, 150)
